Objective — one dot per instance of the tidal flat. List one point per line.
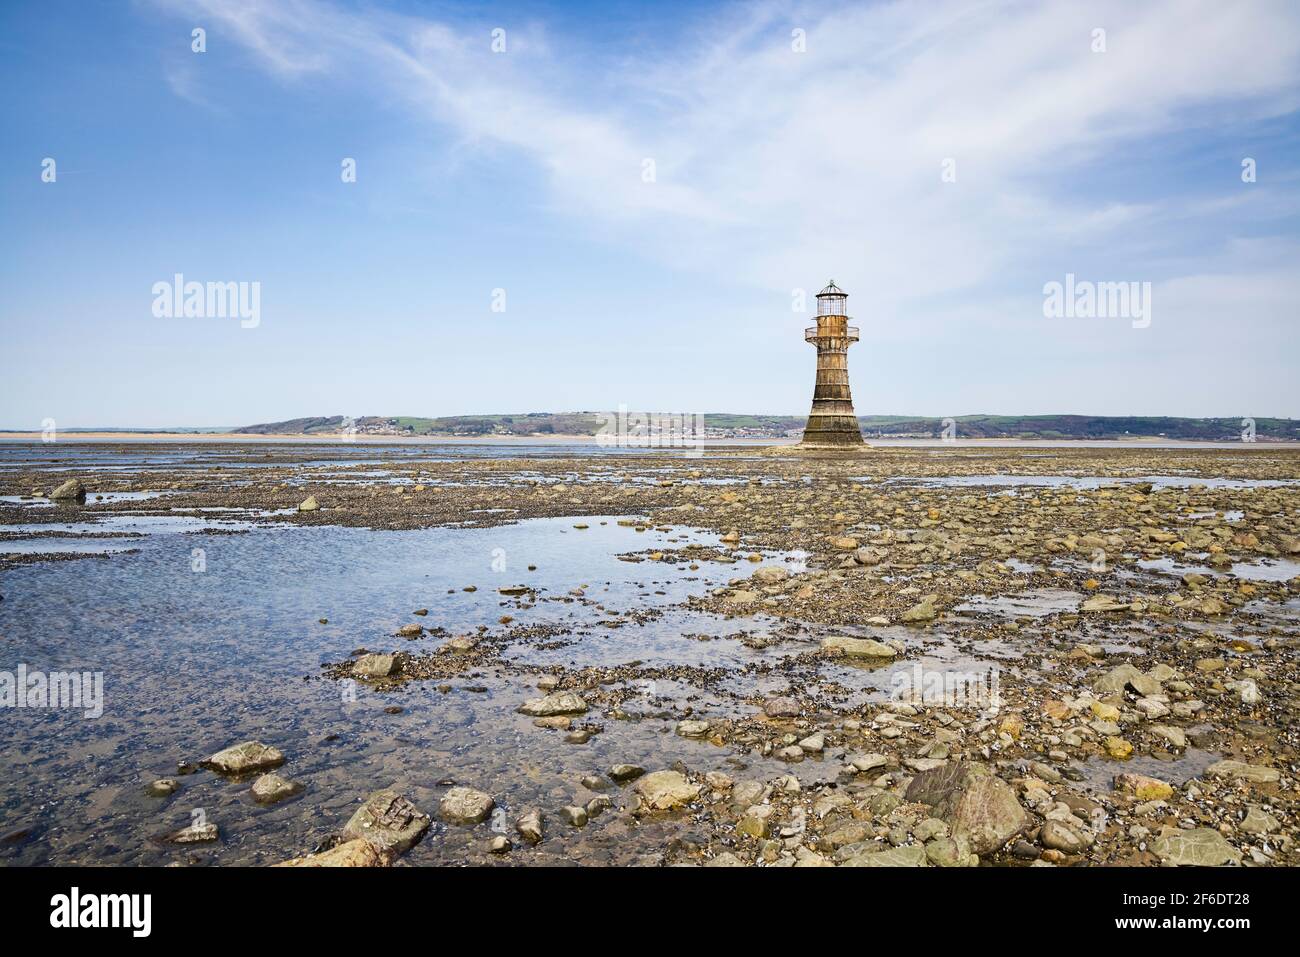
(446, 655)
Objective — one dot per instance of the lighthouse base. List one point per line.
(814, 450)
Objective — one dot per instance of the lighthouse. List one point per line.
(832, 423)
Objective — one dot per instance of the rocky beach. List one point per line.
(381, 655)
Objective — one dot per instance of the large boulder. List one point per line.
(70, 491)
(562, 702)
(388, 821)
(666, 790)
(973, 802)
(244, 758)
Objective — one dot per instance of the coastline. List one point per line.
(559, 440)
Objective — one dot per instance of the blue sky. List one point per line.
(775, 169)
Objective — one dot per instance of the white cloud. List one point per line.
(773, 165)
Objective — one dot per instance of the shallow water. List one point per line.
(194, 661)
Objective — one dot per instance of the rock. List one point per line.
(911, 855)
(1176, 737)
(410, 631)
(1144, 788)
(560, 703)
(1144, 685)
(770, 575)
(718, 781)
(622, 773)
(309, 504)
(530, 827)
(742, 596)
(754, 822)
(1199, 846)
(692, 729)
(868, 556)
(1118, 748)
(865, 763)
(71, 490)
(1115, 680)
(376, 666)
(462, 805)
(665, 790)
(725, 859)
(947, 851)
(783, 707)
(354, 853)
(1248, 691)
(814, 743)
(1259, 821)
(1046, 772)
(924, 764)
(270, 788)
(388, 821)
(793, 753)
(194, 834)
(244, 758)
(575, 816)
(845, 543)
(924, 611)
(973, 802)
(1103, 603)
(1063, 837)
(164, 787)
(929, 829)
(1242, 771)
(500, 845)
(857, 647)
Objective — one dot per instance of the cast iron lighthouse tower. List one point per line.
(831, 423)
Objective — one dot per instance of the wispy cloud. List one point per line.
(775, 165)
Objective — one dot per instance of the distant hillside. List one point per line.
(721, 425)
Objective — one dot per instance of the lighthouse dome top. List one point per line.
(831, 300)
